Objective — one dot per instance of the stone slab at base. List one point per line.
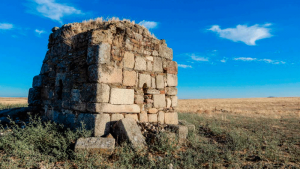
(96, 145)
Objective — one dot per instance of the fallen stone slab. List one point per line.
(190, 127)
(96, 145)
(127, 130)
(180, 130)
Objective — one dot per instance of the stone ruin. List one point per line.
(99, 72)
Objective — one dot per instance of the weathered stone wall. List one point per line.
(99, 73)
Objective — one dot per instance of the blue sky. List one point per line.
(225, 49)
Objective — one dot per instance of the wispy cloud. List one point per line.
(223, 60)
(247, 59)
(39, 32)
(6, 26)
(149, 24)
(199, 58)
(184, 66)
(248, 35)
(51, 9)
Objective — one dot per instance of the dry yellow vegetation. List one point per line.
(13, 100)
(263, 107)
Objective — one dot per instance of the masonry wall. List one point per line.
(98, 73)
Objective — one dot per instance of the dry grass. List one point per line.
(13, 100)
(265, 107)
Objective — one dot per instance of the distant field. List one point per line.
(265, 107)
(269, 107)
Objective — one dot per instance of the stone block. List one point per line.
(127, 130)
(165, 52)
(160, 82)
(181, 131)
(116, 117)
(98, 54)
(161, 117)
(129, 78)
(34, 96)
(157, 64)
(149, 66)
(60, 78)
(75, 95)
(190, 127)
(98, 36)
(152, 91)
(152, 118)
(169, 102)
(155, 53)
(95, 92)
(128, 60)
(102, 125)
(138, 99)
(133, 116)
(143, 116)
(37, 81)
(174, 101)
(172, 80)
(144, 79)
(171, 67)
(152, 110)
(105, 74)
(100, 145)
(153, 84)
(140, 63)
(159, 100)
(110, 108)
(150, 58)
(172, 91)
(121, 96)
(171, 118)
(78, 106)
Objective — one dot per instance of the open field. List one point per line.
(225, 137)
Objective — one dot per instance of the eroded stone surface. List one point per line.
(96, 145)
(159, 100)
(121, 96)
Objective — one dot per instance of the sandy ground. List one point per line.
(271, 107)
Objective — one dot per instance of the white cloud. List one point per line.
(184, 66)
(6, 26)
(248, 35)
(52, 9)
(39, 31)
(223, 60)
(259, 60)
(149, 24)
(198, 58)
(245, 59)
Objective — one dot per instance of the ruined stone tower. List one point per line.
(99, 72)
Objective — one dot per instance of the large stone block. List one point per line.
(160, 83)
(138, 99)
(159, 100)
(121, 96)
(152, 118)
(144, 79)
(165, 52)
(75, 95)
(161, 117)
(153, 84)
(157, 64)
(37, 81)
(129, 78)
(169, 102)
(140, 63)
(34, 96)
(172, 80)
(171, 67)
(95, 92)
(149, 65)
(181, 131)
(174, 101)
(171, 91)
(79, 106)
(143, 116)
(102, 125)
(110, 108)
(152, 91)
(133, 116)
(98, 54)
(127, 130)
(105, 74)
(96, 145)
(128, 60)
(171, 118)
